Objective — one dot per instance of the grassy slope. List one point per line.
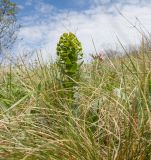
(112, 118)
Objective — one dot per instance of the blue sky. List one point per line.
(59, 4)
(43, 21)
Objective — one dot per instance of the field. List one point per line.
(109, 119)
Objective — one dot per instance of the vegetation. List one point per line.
(69, 51)
(113, 120)
(8, 25)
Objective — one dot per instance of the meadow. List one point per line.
(110, 118)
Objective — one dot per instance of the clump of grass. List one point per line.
(114, 120)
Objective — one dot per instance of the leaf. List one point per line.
(68, 61)
(73, 68)
(81, 63)
(65, 35)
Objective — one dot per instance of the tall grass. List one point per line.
(112, 120)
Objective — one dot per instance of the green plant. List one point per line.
(69, 52)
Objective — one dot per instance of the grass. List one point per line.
(111, 120)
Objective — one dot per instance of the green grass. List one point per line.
(111, 119)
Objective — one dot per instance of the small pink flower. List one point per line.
(100, 56)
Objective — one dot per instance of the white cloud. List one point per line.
(107, 2)
(96, 22)
(43, 7)
(102, 2)
(20, 7)
(28, 2)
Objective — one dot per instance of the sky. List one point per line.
(106, 22)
